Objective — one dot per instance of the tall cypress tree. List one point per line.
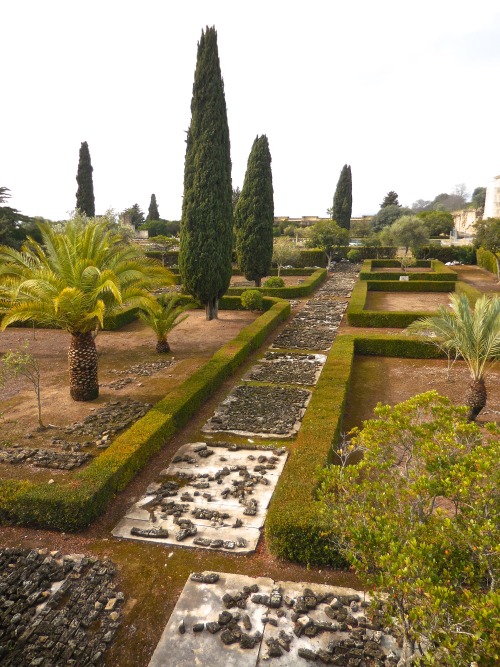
(207, 214)
(254, 214)
(153, 213)
(85, 202)
(342, 200)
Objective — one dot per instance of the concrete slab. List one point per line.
(200, 602)
(203, 602)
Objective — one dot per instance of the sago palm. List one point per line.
(470, 333)
(162, 316)
(72, 280)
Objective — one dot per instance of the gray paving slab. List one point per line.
(200, 602)
(251, 535)
(203, 602)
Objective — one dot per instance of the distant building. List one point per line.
(492, 202)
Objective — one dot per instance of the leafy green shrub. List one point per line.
(251, 299)
(465, 254)
(291, 292)
(274, 281)
(486, 260)
(354, 255)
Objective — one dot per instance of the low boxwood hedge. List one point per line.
(439, 272)
(465, 254)
(295, 527)
(486, 260)
(291, 292)
(74, 504)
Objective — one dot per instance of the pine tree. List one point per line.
(254, 214)
(85, 202)
(153, 213)
(207, 216)
(342, 200)
(390, 199)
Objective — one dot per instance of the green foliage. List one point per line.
(285, 252)
(388, 215)
(439, 272)
(85, 202)
(163, 315)
(479, 198)
(355, 255)
(235, 197)
(463, 254)
(162, 227)
(133, 215)
(207, 213)
(407, 231)
(14, 227)
(424, 525)
(153, 213)
(390, 199)
(254, 214)
(438, 223)
(488, 237)
(251, 300)
(486, 260)
(342, 200)
(327, 235)
(274, 281)
(360, 229)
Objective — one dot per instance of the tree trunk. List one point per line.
(257, 282)
(162, 346)
(498, 267)
(212, 309)
(82, 358)
(475, 398)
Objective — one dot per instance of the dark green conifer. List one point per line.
(254, 214)
(390, 199)
(153, 213)
(342, 200)
(85, 202)
(207, 215)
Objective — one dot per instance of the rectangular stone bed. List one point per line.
(219, 619)
(213, 497)
(267, 412)
(283, 368)
(306, 336)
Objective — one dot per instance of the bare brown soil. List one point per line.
(192, 343)
(390, 380)
(480, 278)
(406, 301)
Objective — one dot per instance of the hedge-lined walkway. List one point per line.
(481, 279)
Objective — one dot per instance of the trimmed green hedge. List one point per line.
(465, 254)
(486, 260)
(291, 292)
(316, 257)
(74, 504)
(295, 528)
(439, 272)
(464, 288)
(394, 264)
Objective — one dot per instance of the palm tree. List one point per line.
(162, 316)
(74, 279)
(472, 334)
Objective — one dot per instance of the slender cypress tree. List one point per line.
(153, 213)
(254, 214)
(207, 214)
(85, 202)
(342, 200)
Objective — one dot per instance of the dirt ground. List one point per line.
(192, 343)
(392, 380)
(406, 301)
(481, 279)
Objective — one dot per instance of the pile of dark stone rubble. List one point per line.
(56, 611)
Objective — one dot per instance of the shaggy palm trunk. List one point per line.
(162, 346)
(82, 357)
(476, 398)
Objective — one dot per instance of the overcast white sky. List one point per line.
(407, 93)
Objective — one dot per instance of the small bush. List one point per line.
(251, 300)
(274, 281)
(354, 255)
